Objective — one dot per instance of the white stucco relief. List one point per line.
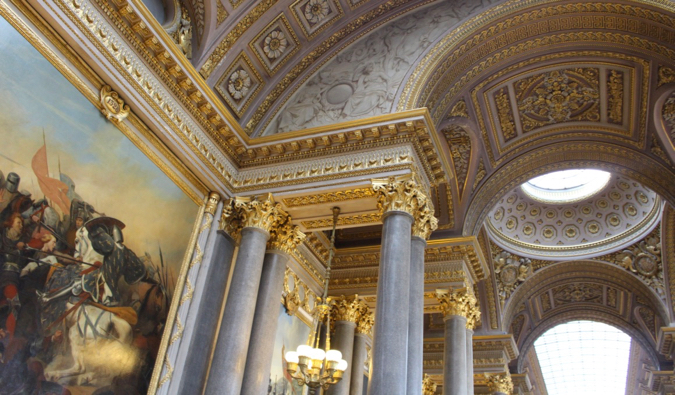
(362, 81)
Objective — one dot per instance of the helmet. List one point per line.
(13, 180)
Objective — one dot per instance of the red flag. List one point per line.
(53, 189)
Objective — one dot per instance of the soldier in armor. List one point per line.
(9, 189)
(13, 242)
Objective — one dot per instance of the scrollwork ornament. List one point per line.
(666, 75)
(113, 107)
(510, 271)
(261, 212)
(499, 382)
(424, 221)
(291, 298)
(230, 221)
(212, 203)
(366, 322)
(398, 195)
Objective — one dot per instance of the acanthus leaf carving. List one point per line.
(510, 271)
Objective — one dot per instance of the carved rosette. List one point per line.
(261, 212)
(399, 195)
(347, 308)
(428, 385)
(499, 383)
(285, 237)
(461, 302)
(366, 322)
(212, 203)
(424, 222)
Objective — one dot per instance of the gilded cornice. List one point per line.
(501, 343)
(359, 219)
(347, 308)
(500, 383)
(330, 197)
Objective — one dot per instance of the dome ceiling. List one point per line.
(622, 212)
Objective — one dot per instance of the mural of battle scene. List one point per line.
(92, 236)
(291, 332)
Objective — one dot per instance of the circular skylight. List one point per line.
(566, 186)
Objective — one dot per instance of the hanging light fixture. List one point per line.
(309, 364)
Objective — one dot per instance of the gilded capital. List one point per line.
(398, 195)
(500, 382)
(461, 302)
(348, 308)
(230, 221)
(365, 324)
(212, 203)
(260, 212)
(424, 220)
(285, 237)
(428, 385)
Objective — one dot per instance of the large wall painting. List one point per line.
(291, 332)
(93, 235)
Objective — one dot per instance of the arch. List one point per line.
(563, 155)
(588, 290)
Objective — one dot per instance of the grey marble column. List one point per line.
(416, 320)
(469, 361)
(454, 356)
(206, 321)
(359, 356)
(390, 343)
(229, 358)
(343, 340)
(263, 334)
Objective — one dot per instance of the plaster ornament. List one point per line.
(275, 44)
(239, 84)
(316, 10)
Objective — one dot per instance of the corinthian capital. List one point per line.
(425, 222)
(366, 323)
(460, 302)
(230, 222)
(212, 203)
(499, 382)
(285, 237)
(428, 385)
(399, 195)
(348, 308)
(260, 212)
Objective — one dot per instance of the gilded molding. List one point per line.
(366, 323)
(226, 43)
(399, 195)
(499, 382)
(459, 110)
(291, 298)
(347, 308)
(669, 253)
(212, 203)
(285, 237)
(359, 219)
(329, 197)
(428, 385)
(112, 106)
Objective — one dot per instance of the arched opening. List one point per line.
(584, 357)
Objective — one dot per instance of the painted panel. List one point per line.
(93, 235)
(291, 332)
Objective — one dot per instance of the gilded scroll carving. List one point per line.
(578, 292)
(510, 271)
(615, 97)
(460, 149)
(112, 106)
(459, 110)
(559, 96)
(293, 299)
(505, 114)
(668, 113)
(666, 75)
(480, 174)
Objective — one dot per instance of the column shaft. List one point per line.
(469, 361)
(454, 358)
(416, 320)
(359, 356)
(229, 358)
(206, 322)
(343, 340)
(263, 333)
(390, 348)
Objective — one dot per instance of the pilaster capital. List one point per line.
(398, 195)
(347, 308)
(212, 203)
(285, 237)
(499, 382)
(366, 322)
(473, 315)
(428, 385)
(460, 302)
(424, 221)
(230, 222)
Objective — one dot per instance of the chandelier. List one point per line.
(309, 364)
